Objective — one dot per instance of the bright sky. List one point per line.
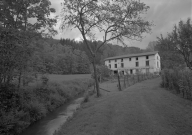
(164, 14)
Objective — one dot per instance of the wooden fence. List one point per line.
(125, 81)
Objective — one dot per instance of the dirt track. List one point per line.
(142, 109)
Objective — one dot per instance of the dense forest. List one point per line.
(66, 56)
(108, 50)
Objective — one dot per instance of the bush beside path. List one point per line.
(24, 106)
(141, 109)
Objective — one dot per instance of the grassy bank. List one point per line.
(20, 108)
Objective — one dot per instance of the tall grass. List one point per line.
(179, 81)
(20, 108)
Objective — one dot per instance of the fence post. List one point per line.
(138, 77)
(119, 82)
(124, 81)
(94, 87)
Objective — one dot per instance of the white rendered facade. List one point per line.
(134, 63)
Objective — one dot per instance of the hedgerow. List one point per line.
(179, 81)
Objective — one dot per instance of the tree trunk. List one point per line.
(96, 78)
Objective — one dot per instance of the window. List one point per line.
(121, 60)
(109, 65)
(115, 65)
(131, 71)
(115, 60)
(157, 64)
(129, 59)
(147, 57)
(109, 61)
(137, 70)
(136, 58)
(147, 63)
(137, 64)
(157, 57)
(122, 65)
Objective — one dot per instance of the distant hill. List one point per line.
(108, 50)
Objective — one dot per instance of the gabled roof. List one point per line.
(132, 55)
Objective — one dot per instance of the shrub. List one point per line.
(102, 72)
(13, 122)
(20, 108)
(179, 81)
(44, 79)
(86, 97)
(36, 110)
(8, 97)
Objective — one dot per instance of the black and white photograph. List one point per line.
(95, 67)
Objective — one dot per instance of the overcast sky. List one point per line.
(164, 13)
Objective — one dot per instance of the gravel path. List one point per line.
(142, 109)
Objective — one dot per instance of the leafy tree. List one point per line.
(115, 20)
(182, 38)
(151, 46)
(21, 22)
(102, 71)
(170, 58)
(32, 16)
(68, 60)
(13, 54)
(179, 42)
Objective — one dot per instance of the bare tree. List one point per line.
(113, 19)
